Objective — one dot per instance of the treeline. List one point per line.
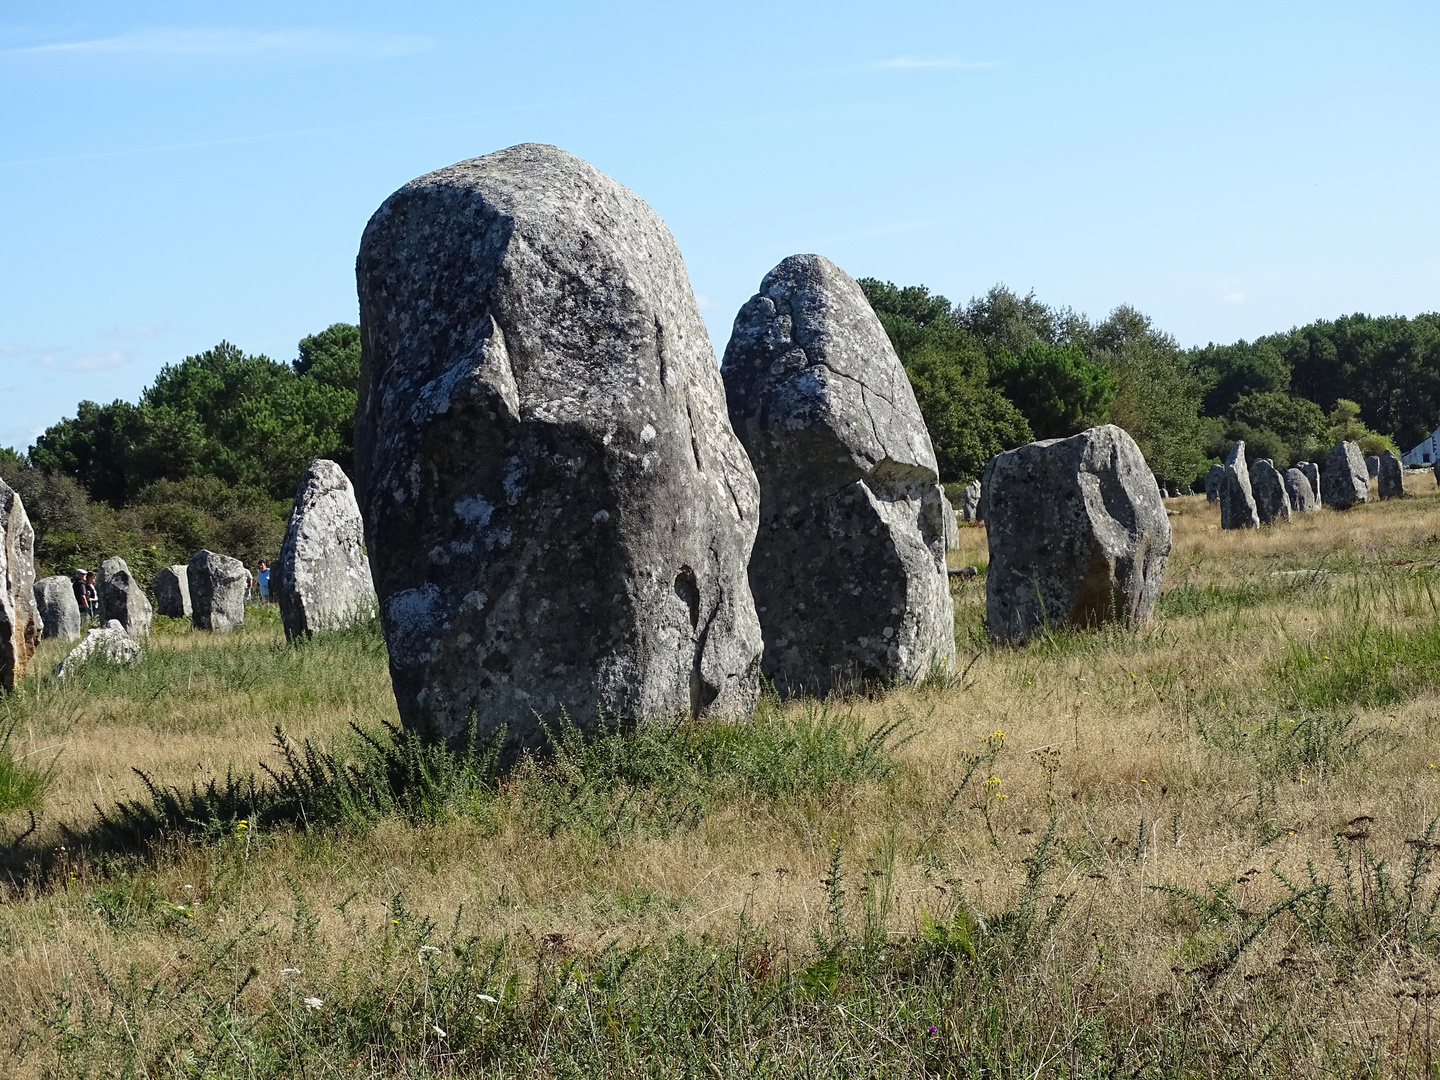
(1004, 369)
(209, 457)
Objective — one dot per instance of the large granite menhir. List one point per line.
(1078, 535)
(1312, 473)
(558, 514)
(322, 581)
(171, 587)
(849, 569)
(20, 626)
(1344, 480)
(217, 591)
(1214, 482)
(1302, 494)
(1267, 487)
(57, 607)
(1237, 501)
(1390, 477)
(122, 599)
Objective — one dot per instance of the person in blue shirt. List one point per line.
(263, 578)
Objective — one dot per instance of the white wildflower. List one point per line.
(314, 1003)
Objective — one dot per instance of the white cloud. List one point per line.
(705, 303)
(83, 363)
(130, 333)
(1234, 299)
(911, 62)
(204, 41)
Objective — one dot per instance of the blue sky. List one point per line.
(176, 174)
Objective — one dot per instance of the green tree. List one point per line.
(1231, 372)
(1057, 389)
(1344, 425)
(1276, 425)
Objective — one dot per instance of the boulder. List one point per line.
(970, 501)
(1391, 476)
(1301, 494)
(1312, 473)
(171, 588)
(55, 602)
(558, 515)
(1078, 535)
(322, 581)
(952, 525)
(108, 644)
(1344, 481)
(849, 568)
(1372, 466)
(1214, 482)
(1237, 502)
(217, 591)
(122, 599)
(20, 625)
(1267, 487)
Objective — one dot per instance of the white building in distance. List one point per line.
(1427, 453)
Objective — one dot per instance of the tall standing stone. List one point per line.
(1312, 473)
(849, 569)
(1237, 502)
(1214, 482)
(122, 598)
(217, 591)
(1267, 487)
(1078, 535)
(20, 626)
(952, 524)
(558, 514)
(1344, 481)
(1372, 466)
(57, 607)
(970, 501)
(1301, 494)
(322, 581)
(171, 588)
(1391, 476)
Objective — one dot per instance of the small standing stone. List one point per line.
(323, 578)
(172, 592)
(1214, 482)
(109, 643)
(55, 602)
(1344, 481)
(1391, 476)
(20, 625)
(1372, 466)
(122, 599)
(217, 591)
(1237, 502)
(970, 501)
(1267, 487)
(1302, 495)
(1312, 473)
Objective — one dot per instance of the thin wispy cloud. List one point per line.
(1234, 299)
(67, 360)
(217, 41)
(902, 63)
(130, 333)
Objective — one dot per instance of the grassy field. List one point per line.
(1205, 849)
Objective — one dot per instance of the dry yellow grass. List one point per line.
(1149, 750)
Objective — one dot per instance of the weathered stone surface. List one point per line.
(108, 644)
(1237, 502)
(322, 581)
(1267, 487)
(1344, 481)
(217, 591)
(952, 524)
(558, 514)
(1312, 473)
(55, 603)
(1301, 494)
(172, 592)
(1078, 534)
(1391, 476)
(1372, 466)
(1214, 482)
(122, 599)
(970, 501)
(20, 625)
(849, 565)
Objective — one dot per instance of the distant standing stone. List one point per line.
(1078, 534)
(323, 578)
(58, 609)
(217, 591)
(1312, 473)
(558, 514)
(1391, 476)
(1372, 466)
(1302, 495)
(1214, 482)
(172, 592)
(1237, 502)
(952, 525)
(849, 568)
(1344, 481)
(122, 598)
(1267, 487)
(20, 625)
(109, 643)
(970, 501)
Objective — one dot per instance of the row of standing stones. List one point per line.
(1262, 495)
(322, 583)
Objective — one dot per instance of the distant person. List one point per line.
(262, 577)
(92, 596)
(79, 584)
